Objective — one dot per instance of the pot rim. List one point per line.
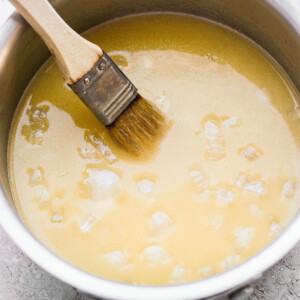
(91, 284)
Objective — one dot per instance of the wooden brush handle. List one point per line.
(75, 55)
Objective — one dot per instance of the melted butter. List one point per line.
(221, 186)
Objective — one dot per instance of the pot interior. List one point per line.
(22, 52)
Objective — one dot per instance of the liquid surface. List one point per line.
(220, 187)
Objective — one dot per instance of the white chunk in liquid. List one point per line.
(156, 254)
(249, 184)
(104, 185)
(145, 186)
(159, 223)
(224, 196)
(243, 236)
(288, 190)
(230, 262)
(116, 258)
(178, 275)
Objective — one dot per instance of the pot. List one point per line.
(273, 24)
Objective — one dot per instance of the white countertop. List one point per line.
(21, 279)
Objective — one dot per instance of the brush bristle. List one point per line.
(139, 127)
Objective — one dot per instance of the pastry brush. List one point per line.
(133, 122)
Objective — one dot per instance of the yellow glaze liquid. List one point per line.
(219, 188)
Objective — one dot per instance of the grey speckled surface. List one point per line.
(21, 279)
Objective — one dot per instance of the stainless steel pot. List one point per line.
(275, 25)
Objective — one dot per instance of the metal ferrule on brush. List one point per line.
(105, 90)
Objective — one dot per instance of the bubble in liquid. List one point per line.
(117, 258)
(156, 254)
